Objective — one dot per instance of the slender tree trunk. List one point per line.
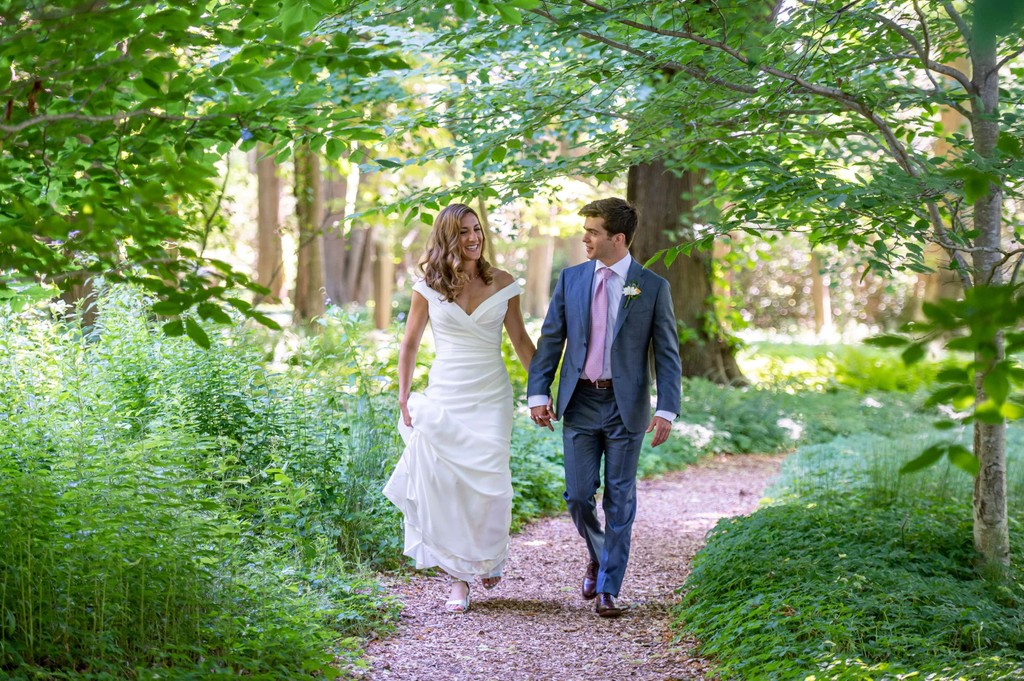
(485, 222)
(991, 528)
(335, 246)
(575, 250)
(383, 282)
(360, 264)
(665, 205)
(820, 296)
(309, 207)
(540, 259)
(269, 253)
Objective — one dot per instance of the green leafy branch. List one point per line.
(979, 324)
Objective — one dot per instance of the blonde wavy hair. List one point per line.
(442, 262)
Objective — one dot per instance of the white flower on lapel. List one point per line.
(631, 290)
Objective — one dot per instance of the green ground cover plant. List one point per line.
(851, 570)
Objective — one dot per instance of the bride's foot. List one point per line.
(491, 582)
(458, 599)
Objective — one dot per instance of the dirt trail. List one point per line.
(535, 625)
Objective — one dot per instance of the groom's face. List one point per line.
(600, 246)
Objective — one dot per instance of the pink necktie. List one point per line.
(594, 365)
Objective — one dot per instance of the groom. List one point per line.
(606, 315)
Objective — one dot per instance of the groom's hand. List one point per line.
(543, 415)
(661, 429)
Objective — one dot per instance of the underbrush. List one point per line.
(853, 571)
(173, 512)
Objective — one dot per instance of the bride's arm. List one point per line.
(410, 346)
(516, 329)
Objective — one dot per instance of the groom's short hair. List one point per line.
(619, 216)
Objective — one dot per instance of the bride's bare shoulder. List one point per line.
(502, 278)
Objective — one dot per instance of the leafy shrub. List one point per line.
(743, 420)
(866, 369)
(537, 472)
(175, 512)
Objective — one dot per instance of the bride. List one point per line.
(453, 483)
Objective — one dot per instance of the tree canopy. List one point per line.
(117, 115)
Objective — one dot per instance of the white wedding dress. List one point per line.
(453, 483)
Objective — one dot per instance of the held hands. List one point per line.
(543, 415)
(661, 429)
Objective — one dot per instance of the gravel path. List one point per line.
(536, 626)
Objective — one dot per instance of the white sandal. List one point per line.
(458, 606)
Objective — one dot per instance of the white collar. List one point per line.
(620, 268)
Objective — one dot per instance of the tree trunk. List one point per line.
(335, 247)
(360, 264)
(81, 299)
(540, 259)
(269, 253)
(991, 528)
(665, 206)
(574, 249)
(820, 296)
(485, 222)
(309, 208)
(383, 282)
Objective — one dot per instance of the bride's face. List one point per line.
(471, 237)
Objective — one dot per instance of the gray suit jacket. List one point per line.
(646, 321)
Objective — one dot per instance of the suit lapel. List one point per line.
(584, 292)
(634, 275)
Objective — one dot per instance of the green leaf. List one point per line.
(213, 312)
(196, 333)
(976, 183)
(480, 157)
(927, 458)
(913, 354)
(997, 383)
(943, 395)
(886, 341)
(945, 424)
(463, 9)
(964, 398)
(1008, 144)
(988, 412)
(174, 328)
(264, 320)
(169, 308)
(1011, 410)
(509, 13)
(962, 458)
(953, 375)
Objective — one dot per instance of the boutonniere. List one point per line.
(631, 290)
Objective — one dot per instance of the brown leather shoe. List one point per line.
(589, 589)
(606, 606)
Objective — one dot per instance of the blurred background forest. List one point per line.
(211, 216)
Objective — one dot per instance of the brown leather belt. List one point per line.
(599, 384)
